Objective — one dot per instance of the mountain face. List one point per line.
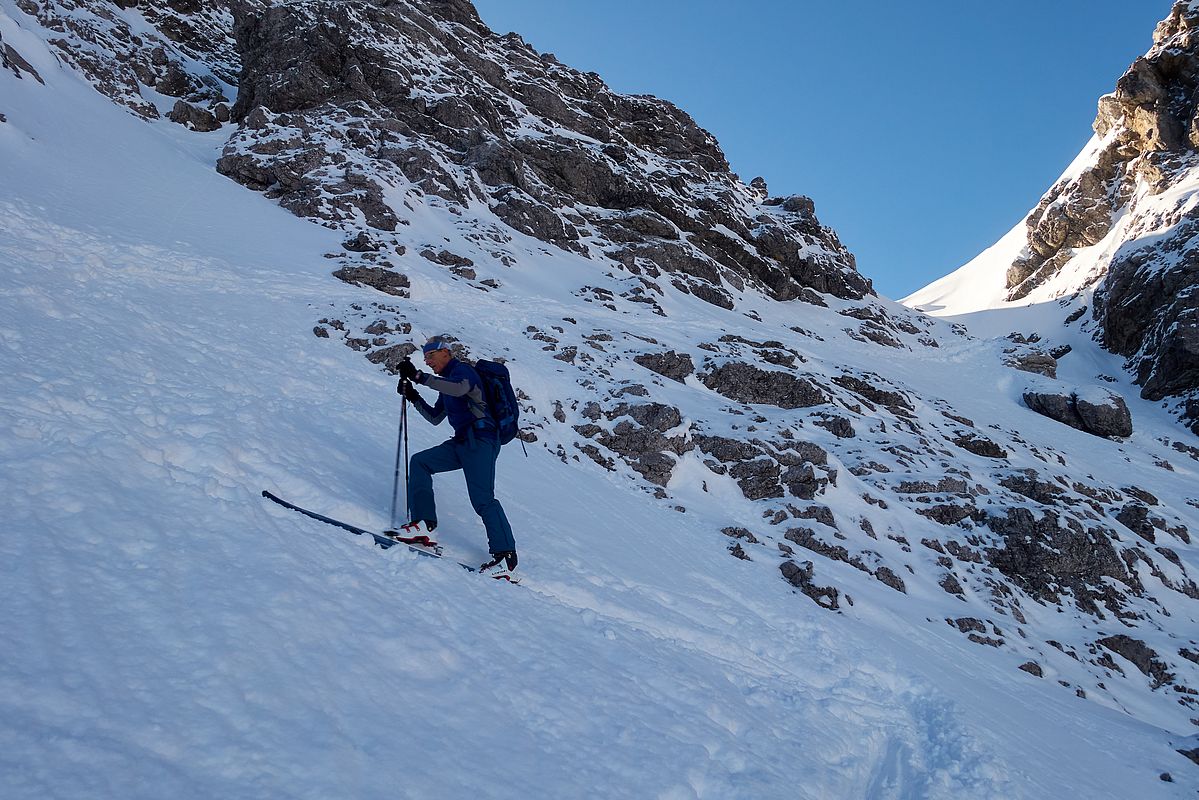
(713, 346)
(1148, 305)
(378, 96)
(1117, 231)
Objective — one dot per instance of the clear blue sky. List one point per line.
(924, 130)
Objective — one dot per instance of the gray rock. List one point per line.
(670, 364)
(758, 479)
(385, 280)
(13, 61)
(1035, 362)
(837, 425)
(639, 441)
(362, 242)
(391, 357)
(446, 258)
(888, 577)
(745, 383)
(969, 624)
(740, 533)
(894, 401)
(1047, 554)
(951, 513)
(1141, 655)
(655, 416)
(1027, 483)
(725, 449)
(801, 578)
(711, 294)
(804, 482)
(1135, 517)
(194, 117)
(951, 585)
(1109, 417)
(175, 82)
(522, 213)
(980, 446)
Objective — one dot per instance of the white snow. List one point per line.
(168, 633)
(979, 284)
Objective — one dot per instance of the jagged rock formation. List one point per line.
(98, 40)
(341, 104)
(1147, 303)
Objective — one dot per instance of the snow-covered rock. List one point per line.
(1114, 239)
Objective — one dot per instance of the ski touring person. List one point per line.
(474, 448)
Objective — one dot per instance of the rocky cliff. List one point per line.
(1125, 222)
(423, 98)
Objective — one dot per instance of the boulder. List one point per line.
(1097, 411)
(676, 366)
(194, 117)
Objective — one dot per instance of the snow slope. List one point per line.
(167, 632)
(980, 283)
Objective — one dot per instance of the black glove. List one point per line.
(407, 370)
(410, 392)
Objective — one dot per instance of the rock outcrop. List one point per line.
(1104, 414)
(119, 56)
(339, 103)
(1147, 293)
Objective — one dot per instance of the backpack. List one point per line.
(502, 407)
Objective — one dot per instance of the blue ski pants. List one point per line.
(477, 462)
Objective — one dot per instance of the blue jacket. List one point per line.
(460, 398)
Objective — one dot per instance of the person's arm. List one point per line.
(435, 413)
(453, 388)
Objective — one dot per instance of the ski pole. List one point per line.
(404, 422)
(400, 439)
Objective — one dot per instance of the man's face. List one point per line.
(437, 359)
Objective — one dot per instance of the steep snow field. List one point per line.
(167, 632)
(979, 284)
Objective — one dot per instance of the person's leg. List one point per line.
(478, 466)
(423, 466)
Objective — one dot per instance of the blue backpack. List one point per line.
(501, 399)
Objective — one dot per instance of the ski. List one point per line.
(412, 543)
(384, 541)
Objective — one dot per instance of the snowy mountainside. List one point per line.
(1113, 240)
(871, 459)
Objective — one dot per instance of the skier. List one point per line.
(473, 449)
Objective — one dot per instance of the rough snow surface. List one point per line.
(168, 633)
